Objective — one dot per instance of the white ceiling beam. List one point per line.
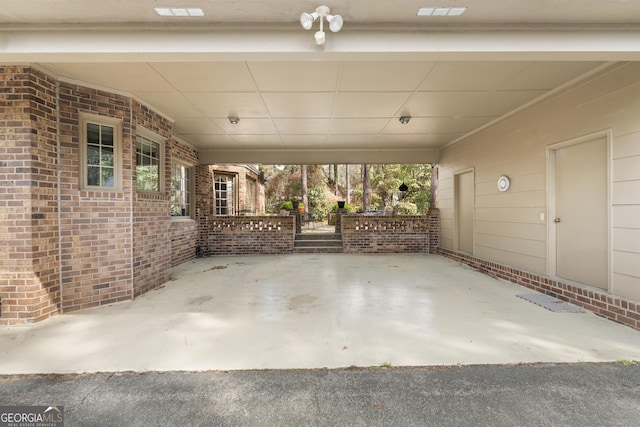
(155, 45)
(209, 157)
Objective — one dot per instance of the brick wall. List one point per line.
(242, 173)
(29, 251)
(600, 302)
(95, 226)
(251, 235)
(433, 216)
(184, 241)
(63, 247)
(152, 212)
(385, 234)
(204, 205)
(185, 232)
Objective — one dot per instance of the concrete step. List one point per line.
(318, 236)
(317, 243)
(318, 250)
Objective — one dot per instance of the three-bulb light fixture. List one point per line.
(335, 22)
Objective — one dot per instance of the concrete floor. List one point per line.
(314, 311)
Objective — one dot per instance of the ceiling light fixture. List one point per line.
(441, 11)
(234, 120)
(179, 11)
(405, 119)
(335, 22)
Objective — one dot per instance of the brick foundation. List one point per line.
(385, 234)
(598, 301)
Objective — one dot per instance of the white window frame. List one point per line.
(86, 119)
(158, 139)
(190, 190)
(230, 199)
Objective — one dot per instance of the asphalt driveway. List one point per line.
(580, 395)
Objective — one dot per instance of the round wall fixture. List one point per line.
(503, 183)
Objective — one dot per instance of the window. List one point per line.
(181, 190)
(223, 185)
(100, 142)
(149, 162)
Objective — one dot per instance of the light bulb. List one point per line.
(307, 20)
(335, 22)
(319, 36)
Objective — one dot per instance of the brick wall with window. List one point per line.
(241, 177)
(151, 207)
(184, 224)
(95, 209)
(74, 230)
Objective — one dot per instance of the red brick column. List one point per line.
(29, 249)
(434, 230)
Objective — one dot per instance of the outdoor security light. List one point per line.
(335, 22)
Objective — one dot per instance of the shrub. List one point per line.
(347, 206)
(406, 208)
(288, 205)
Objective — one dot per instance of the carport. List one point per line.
(494, 96)
(316, 311)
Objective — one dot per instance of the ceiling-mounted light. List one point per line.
(234, 120)
(307, 20)
(405, 119)
(335, 22)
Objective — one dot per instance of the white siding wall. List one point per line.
(508, 228)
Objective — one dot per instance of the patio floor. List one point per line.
(315, 311)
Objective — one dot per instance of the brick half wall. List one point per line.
(385, 234)
(600, 302)
(251, 235)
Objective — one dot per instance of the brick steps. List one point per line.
(314, 243)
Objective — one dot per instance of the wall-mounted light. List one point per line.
(405, 119)
(234, 120)
(335, 22)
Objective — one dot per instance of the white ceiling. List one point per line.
(294, 97)
(353, 11)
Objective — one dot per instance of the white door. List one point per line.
(464, 211)
(582, 213)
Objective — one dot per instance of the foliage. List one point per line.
(288, 205)
(406, 208)
(386, 179)
(347, 206)
(285, 184)
(318, 206)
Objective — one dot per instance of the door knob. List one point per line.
(557, 220)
